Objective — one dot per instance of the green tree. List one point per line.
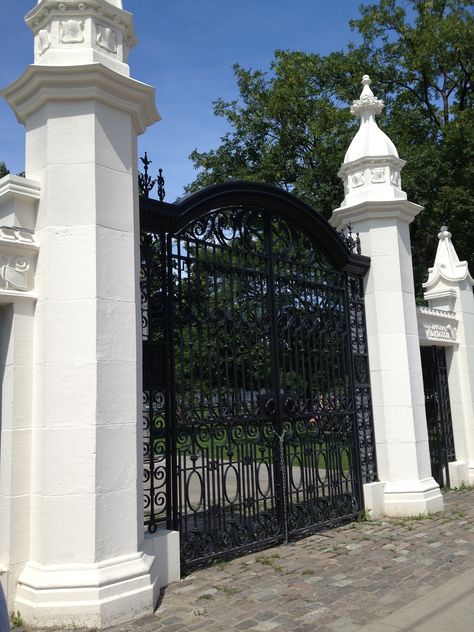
(422, 53)
(291, 126)
(3, 170)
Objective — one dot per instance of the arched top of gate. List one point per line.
(155, 215)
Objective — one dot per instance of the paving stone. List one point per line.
(265, 626)
(246, 625)
(385, 564)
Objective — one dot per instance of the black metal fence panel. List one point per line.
(257, 411)
(438, 412)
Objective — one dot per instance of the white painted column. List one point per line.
(82, 114)
(449, 287)
(18, 251)
(16, 329)
(377, 208)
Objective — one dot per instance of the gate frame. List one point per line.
(168, 220)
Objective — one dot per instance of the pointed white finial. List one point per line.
(371, 168)
(447, 266)
(366, 91)
(367, 103)
(444, 233)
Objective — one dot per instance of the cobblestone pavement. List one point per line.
(336, 581)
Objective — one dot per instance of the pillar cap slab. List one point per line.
(401, 210)
(41, 84)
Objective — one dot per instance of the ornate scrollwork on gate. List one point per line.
(155, 481)
(254, 339)
(363, 400)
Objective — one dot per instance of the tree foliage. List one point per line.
(291, 125)
(3, 170)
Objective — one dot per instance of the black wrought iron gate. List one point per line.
(257, 411)
(438, 412)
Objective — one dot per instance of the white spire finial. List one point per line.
(366, 91)
(371, 168)
(447, 266)
(444, 233)
(367, 104)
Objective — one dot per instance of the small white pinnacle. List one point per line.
(444, 233)
(366, 91)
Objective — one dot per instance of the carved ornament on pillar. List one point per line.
(18, 248)
(18, 251)
(44, 40)
(107, 38)
(72, 32)
(436, 327)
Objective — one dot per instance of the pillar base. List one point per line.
(163, 547)
(374, 500)
(470, 475)
(459, 474)
(86, 595)
(411, 498)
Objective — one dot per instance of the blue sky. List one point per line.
(186, 49)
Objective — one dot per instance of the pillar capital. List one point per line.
(373, 211)
(41, 84)
(69, 33)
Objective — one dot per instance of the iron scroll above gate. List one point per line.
(257, 410)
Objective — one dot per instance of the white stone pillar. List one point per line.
(82, 114)
(18, 251)
(377, 208)
(450, 287)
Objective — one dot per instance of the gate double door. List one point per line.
(255, 375)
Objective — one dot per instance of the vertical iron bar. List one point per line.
(281, 501)
(351, 348)
(444, 467)
(170, 380)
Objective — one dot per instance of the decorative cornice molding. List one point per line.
(16, 236)
(371, 162)
(436, 313)
(11, 185)
(387, 209)
(436, 326)
(40, 84)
